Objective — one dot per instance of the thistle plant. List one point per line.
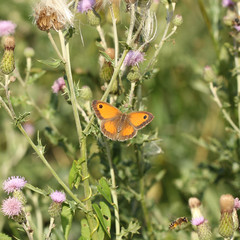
(125, 64)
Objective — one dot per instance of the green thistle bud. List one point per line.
(21, 218)
(204, 231)
(235, 219)
(115, 88)
(106, 72)
(208, 74)
(29, 52)
(7, 63)
(134, 74)
(226, 226)
(18, 194)
(85, 93)
(177, 20)
(93, 18)
(55, 209)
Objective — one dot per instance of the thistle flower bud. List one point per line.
(93, 18)
(203, 228)
(29, 52)
(208, 74)
(7, 63)
(226, 226)
(56, 206)
(85, 93)
(106, 72)
(195, 204)
(177, 20)
(235, 219)
(18, 194)
(55, 209)
(134, 74)
(52, 14)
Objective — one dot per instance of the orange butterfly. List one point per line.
(120, 126)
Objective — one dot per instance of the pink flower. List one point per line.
(227, 3)
(133, 58)
(29, 128)
(85, 5)
(6, 28)
(58, 85)
(197, 221)
(14, 183)
(11, 207)
(58, 196)
(237, 27)
(237, 203)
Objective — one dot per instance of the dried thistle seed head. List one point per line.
(52, 14)
(194, 202)
(9, 43)
(110, 52)
(226, 203)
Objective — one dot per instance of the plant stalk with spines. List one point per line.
(81, 137)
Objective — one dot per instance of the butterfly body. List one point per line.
(119, 126)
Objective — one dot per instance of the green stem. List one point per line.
(209, 25)
(29, 234)
(225, 113)
(81, 137)
(132, 22)
(163, 39)
(51, 226)
(142, 194)
(113, 191)
(115, 34)
(101, 35)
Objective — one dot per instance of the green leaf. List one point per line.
(104, 217)
(21, 118)
(133, 228)
(32, 78)
(54, 63)
(66, 219)
(74, 178)
(107, 58)
(4, 237)
(35, 189)
(85, 230)
(104, 189)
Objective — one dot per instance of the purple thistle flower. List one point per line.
(58, 196)
(11, 207)
(133, 58)
(6, 27)
(237, 203)
(237, 28)
(85, 5)
(197, 221)
(29, 128)
(227, 3)
(14, 183)
(58, 85)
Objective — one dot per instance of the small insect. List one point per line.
(178, 223)
(120, 126)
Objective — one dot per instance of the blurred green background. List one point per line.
(177, 96)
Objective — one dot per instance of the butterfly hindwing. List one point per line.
(140, 119)
(127, 132)
(104, 110)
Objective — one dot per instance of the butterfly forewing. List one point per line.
(140, 119)
(104, 110)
